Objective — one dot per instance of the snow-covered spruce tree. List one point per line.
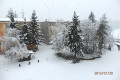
(24, 33)
(12, 15)
(92, 17)
(12, 30)
(34, 33)
(102, 33)
(74, 40)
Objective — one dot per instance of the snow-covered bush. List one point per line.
(10, 42)
(16, 53)
(104, 34)
(59, 40)
(13, 49)
(13, 32)
(89, 30)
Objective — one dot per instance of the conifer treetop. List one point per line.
(92, 17)
(75, 19)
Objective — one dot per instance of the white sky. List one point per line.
(62, 9)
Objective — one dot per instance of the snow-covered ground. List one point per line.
(52, 68)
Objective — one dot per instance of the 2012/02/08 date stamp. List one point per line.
(103, 73)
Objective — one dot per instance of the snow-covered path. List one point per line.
(52, 68)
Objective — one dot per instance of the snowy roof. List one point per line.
(16, 19)
(30, 52)
(22, 20)
(4, 19)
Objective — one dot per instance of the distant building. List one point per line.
(3, 23)
(46, 30)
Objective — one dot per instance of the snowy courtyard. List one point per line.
(52, 68)
(60, 40)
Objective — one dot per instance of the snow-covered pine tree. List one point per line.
(102, 33)
(24, 33)
(35, 29)
(74, 39)
(92, 17)
(34, 35)
(10, 11)
(12, 15)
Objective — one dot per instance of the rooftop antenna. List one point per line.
(23, 12)
(48, 12)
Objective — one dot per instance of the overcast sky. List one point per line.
(62, 9)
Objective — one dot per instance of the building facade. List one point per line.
(2, 33)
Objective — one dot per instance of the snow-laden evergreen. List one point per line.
(74, 39)
(12, 15)
(102, 33)
(92, 17)
(34, 33)
(24, 33)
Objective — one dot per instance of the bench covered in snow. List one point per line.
(30, 55)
